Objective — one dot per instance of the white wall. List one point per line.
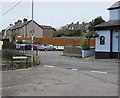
(115, 41)
(1, 43)
(115, 14)
(87, 53)
(119, 39)
(106, 46)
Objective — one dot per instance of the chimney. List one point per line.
(83, 22)
(78, 22)
(25, 20)
(16, 23)
(11, 25)
(19, 21)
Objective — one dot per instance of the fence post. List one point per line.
(74, 43)
(64, 43)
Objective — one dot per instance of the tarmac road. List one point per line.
(62, 76)
(53, 81)
(54, 58)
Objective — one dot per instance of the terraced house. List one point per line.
(84, 27)
(25, 29)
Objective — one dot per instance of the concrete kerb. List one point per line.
(102, 60)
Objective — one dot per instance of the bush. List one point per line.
(7, 54)
(8, 45)
(85, 45)
(61, 33)
(19, 42)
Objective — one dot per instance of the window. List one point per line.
(102, 40)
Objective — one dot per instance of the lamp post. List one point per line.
(32, 36)
(118, 45)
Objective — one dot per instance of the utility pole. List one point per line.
(32, 35)
(118, 39)
(118, 45)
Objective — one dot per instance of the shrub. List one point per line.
(85, 45)
(7, 54)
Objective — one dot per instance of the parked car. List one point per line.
(28, 47)
(47, 48)
(25, 47)
(35, 47)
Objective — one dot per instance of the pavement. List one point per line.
(103, 60)
(53, 81)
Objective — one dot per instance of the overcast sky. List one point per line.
(53, 13)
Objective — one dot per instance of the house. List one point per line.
(6, 33)
(108, 42)
(26, 28)
(84, 27)
(75, 26)
(65, 27)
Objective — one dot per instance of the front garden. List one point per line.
(13, 58)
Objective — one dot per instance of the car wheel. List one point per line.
(54, 49)
(45, 49)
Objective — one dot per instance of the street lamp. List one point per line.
(32, 35)
(118, 45)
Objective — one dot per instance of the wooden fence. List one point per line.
(58, 41)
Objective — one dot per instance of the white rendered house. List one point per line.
(108, 42)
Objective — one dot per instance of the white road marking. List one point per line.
(99, 72)
(64, 60)
(49, 66)
(18, 86)
(83, 62)
(74, 69)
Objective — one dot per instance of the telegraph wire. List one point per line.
(11, 8)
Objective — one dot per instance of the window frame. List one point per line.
(102, 40)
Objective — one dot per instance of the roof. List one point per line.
(115, 6)
(78, 25)
(20, 25)
(108, 25)
(46, 27)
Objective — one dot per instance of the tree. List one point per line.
(95, 22)
(90, 35)
(98, 20)
(13, 36)
(61, 33)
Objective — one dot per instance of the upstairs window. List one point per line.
(102, 40)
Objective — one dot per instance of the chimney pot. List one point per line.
(78, 22)
(19, 21)
(25, 20)
(16, 23)
(11, 25)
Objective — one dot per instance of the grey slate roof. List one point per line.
(110, 23)
(46, 27)
(20, 25)
(115, 6)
